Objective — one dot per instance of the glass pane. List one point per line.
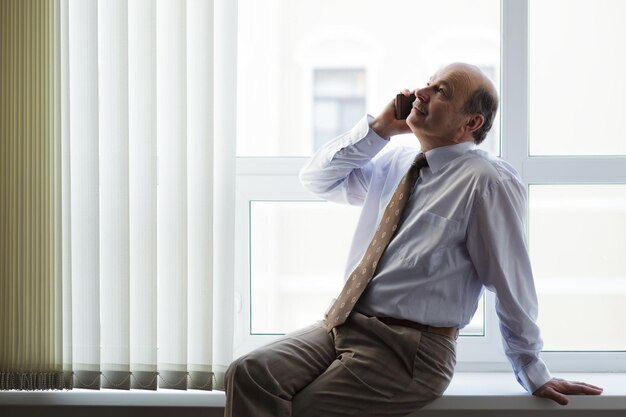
(327, 113)
(586, 50)
(476, 327)
(351, 110)
(296, 270)
(282, 44)
(339, 82)
(577, 246)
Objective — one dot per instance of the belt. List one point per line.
(451, 332)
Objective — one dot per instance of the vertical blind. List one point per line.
(29, 297)
(107, 186)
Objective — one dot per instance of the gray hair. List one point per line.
(482, 101)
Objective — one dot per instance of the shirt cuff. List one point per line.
(534, 375)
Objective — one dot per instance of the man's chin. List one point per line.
(415, 129)
(413, 120)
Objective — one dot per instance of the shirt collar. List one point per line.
(438, 157)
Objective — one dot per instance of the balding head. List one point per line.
(482, 96)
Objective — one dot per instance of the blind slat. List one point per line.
(114, 187)
(85, 182)
(200, 186)
(172, 241)
(142, 185)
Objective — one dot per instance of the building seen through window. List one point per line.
(338, 100)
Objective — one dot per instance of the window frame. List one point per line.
(276, 178)
(553, 170)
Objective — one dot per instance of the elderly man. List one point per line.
(437, 226)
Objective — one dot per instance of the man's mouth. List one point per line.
(419, 106)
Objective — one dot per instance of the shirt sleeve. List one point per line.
(497, 245)
(341, 170)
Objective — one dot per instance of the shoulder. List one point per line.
(489, 173)
(488, 167)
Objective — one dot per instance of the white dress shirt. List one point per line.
(464, 229)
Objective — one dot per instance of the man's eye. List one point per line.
(441, 90)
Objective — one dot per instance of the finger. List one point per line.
(592, 386)
(406, 92)
(579, 388)
(551, 394)
(556, 396)
(571, 389)
(563, 381)
(594, 391)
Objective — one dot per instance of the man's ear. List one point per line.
(474, 123)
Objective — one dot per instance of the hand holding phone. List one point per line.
(404, 105)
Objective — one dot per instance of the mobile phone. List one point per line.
(404, 105)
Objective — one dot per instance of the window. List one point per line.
(577, 177)
(300, 40)
(320, 73)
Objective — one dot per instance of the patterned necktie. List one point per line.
(363, 273)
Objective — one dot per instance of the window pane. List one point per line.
(476, 327)
(577, 246)
(298, 255)
(283, 43)
(351, 110)
(327, 113)
(587, 49)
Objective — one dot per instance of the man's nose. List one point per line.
(422, 94)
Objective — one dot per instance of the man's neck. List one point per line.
(427, 145)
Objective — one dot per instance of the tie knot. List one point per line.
(420, 161)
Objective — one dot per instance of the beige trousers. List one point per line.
(364, 368)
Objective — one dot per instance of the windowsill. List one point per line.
(468, 391)
(500, 391)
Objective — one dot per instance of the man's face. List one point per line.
(437, 116)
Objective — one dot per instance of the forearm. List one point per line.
(340, 171)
